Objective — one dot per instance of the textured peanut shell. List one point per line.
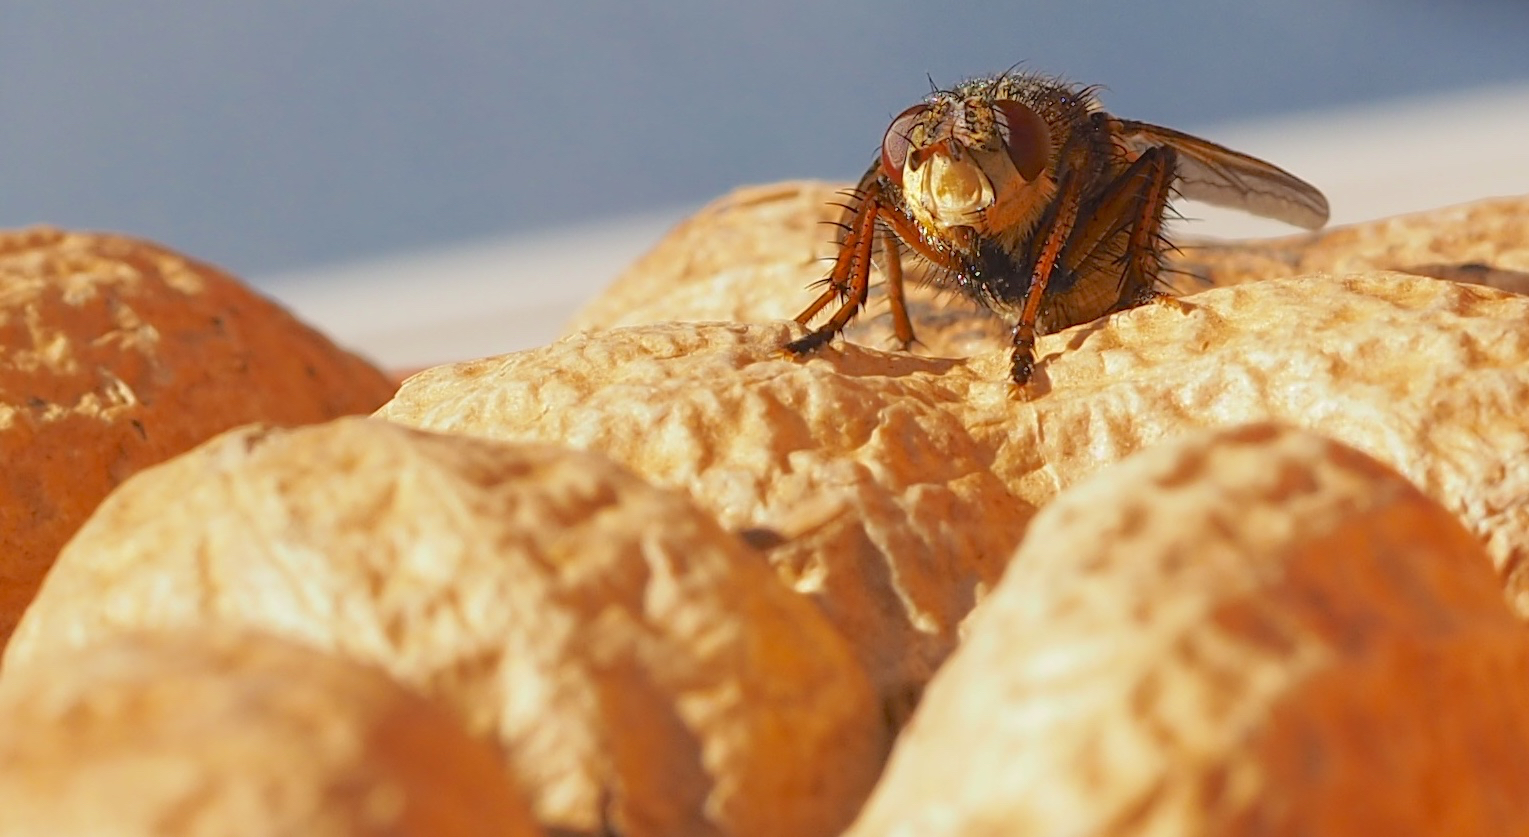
(1430, 377)
(1245, 632)
(746, 256)
(940, 463)
(860, 474)
(643, 668)
(1484, 243)
(116, 354)
(218, 733)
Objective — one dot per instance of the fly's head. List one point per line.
(971, 166)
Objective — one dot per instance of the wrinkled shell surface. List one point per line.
(215, 733)
(1243, 629)
(1484, 243)
(861, 471)
(1430, 377)
(940, 464)
(637, 662)
(747, 256)
(116, 354)
(1254, 631)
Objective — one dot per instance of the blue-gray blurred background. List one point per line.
(277, 135)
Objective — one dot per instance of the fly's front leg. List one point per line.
(891, 254)
(848, 281)
(1057, 228)
(899, 227)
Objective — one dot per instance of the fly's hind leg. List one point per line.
(1147, 187)
(1132, 206)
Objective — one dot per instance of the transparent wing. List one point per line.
(1218, 175)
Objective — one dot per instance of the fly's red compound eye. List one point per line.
(1025, 135)
(894, 146)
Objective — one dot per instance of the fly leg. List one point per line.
(892, 266)
(899, 227)
(848, 281)
(1143, 191)
(1058, 225)
(1132, 206)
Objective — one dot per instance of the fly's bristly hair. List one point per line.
(1020, 193)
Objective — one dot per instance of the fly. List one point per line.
(1021, 193)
